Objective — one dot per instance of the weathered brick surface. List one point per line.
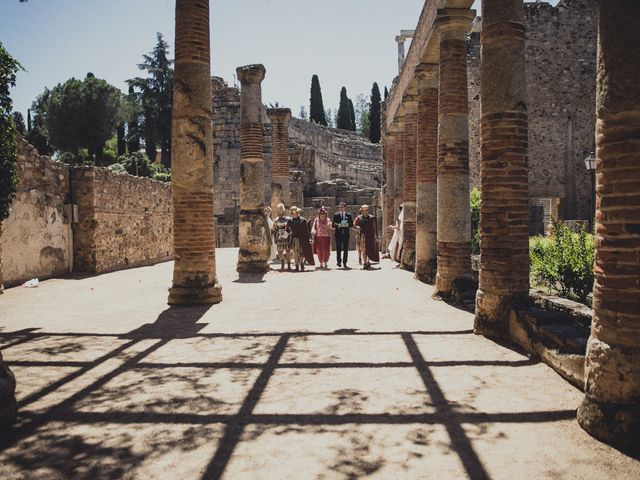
(124, 221)
(390, 214)
(398, 174)
(34, 242)
(504, 211)
(194, 274)
(454, 221)
(409, 187)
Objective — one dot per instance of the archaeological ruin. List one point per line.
(509, 100)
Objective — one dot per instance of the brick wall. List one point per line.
(35, 238)
(124, 221)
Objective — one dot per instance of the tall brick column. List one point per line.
(279, 156)
(253, 254)
(390, 214)
(426, 172)
(611, 407)
(454, 215)
(409, 183)
(194, 231)
(398, 174)
(504, 214)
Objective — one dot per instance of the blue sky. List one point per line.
(345, 42)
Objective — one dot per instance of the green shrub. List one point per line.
(136, 164)
(563, 263)
(162, 176)
(475, 220)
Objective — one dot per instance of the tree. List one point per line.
(316, 107)
(374, 114)
(386, 94)
(18, 120)
(362, 114)
(328, 114)
(37, 134)
(133, 124)
(83, 113)
(344, 121)
(352, 114)
(9, 66)
(155, 95)
(303, 113)
(28, 119)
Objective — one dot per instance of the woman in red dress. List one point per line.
(320, 232)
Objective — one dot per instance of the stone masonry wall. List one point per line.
(124, 221)
(560, 61)
(34, 242)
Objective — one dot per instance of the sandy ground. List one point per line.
(317, 375)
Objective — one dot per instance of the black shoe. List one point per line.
(339, 265)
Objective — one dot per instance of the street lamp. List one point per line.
(590, 164)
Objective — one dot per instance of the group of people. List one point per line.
(294, 238)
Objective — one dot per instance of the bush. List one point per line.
(162, 176)
(563, 263)
(136, 164)
(475, 221)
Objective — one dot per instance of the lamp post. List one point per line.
(590, 164)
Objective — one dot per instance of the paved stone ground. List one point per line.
(366, 377)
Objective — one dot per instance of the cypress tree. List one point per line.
(352, 115)
(28, 120)
(386, 93)
(344, 113)
(374, 114)
(316, 107)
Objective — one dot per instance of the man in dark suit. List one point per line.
(343, 223)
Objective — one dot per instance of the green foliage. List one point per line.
(475, 220)
(374, 114)
(316, 106)
(38, 136)
(9, 66)
(303, 113)
(82, 113)
(362, 108)
(563, 263)
(154, 95)
(344, 119)
(138, 164)
(352, 113)
(18, 120)
(162, 176)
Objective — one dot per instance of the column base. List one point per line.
(426, 270)
(460, 291)
(8, 404)
(252, 266)
(615, 424)
(195, 295)
(492, 313)
(408, 260)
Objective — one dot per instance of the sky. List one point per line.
(347, 43)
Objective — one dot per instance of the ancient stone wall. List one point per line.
(560, 66)
(34, 242)
(123, 221)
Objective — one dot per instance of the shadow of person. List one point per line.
(174, 322)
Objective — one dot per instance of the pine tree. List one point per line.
(374, 115)
(344, 114)
(352, 114)
(316, 107)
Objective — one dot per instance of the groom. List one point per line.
(342, 223)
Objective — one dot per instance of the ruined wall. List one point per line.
(317, 154)
(35, 238)
(560, 61)
(123, 221)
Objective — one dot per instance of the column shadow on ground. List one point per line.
(40, 442)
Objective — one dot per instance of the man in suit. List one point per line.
(342, 223)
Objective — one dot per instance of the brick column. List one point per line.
(8, 405)
(390, 214)
(254, 253)
(194, 231)
(409, 183)
(279, 156)
(454, 215)
(398, 165)
(611, 407)
(504, 214)
(426, 172)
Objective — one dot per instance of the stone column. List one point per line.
(398, 165)
(611, 407)
(253, 254)
(390, 214)
(504, 214)
(400, 40)
(409, 183)
(454, 215)
(279, 156)
(194, 231)
(426, 173)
